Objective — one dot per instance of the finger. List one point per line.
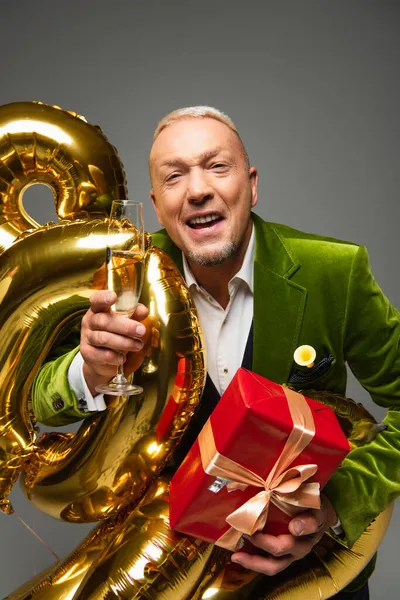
(307, 523)
(116, 324)
(141, 312)
(112, 341)
(102, 300)
(276, 545)
(267, 565)
(133, 361)
(105, 360)
(155, 334)
(281, 545)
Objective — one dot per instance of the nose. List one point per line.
(199, 189)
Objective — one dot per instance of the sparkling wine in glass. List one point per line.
(125, 265)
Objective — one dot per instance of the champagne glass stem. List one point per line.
(120, 377)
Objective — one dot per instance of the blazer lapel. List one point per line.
(278, 305)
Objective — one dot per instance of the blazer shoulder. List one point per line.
(306, 246)
(161, 239)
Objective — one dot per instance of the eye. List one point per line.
(172, 177)
(219, 166)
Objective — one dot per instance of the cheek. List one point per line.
(169, 215)
(233, 191)
(168, 206)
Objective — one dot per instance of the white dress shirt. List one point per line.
(226, 330)
(77, 383)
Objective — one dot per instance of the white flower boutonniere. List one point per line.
(305, 356)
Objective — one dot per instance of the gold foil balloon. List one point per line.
(135, 555)
(147, 560)
(357, 423)
(44, 144)
(115, 455)
(329, 568)
(45, 282)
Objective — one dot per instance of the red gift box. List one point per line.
(253, 424)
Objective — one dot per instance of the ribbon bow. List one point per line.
(285, 486)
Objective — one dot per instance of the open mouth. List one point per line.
(204, 222)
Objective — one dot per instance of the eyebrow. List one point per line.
(203, 157)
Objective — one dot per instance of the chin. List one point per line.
(212, 259)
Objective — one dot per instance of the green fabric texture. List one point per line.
(51, 385)
(314, 290)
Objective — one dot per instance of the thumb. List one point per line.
(102, 300)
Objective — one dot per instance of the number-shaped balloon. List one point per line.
(46, 277)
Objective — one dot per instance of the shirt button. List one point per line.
(225, 371)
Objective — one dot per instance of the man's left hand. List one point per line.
(306, 529)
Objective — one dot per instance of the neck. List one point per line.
(215, 279)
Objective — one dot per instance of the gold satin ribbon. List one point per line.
(285, 486)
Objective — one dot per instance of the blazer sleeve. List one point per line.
(369, 478)
(53, 402)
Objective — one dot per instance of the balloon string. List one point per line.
(38, 537)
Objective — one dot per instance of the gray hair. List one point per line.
(199, 112)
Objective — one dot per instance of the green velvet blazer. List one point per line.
(314, 290)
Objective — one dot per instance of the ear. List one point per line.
(153, 199)
(253, 176)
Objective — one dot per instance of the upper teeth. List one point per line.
(205, 219)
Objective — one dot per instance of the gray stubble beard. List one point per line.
(206, 261)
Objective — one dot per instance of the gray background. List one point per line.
(313, 87)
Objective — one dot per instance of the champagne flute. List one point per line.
(125, 265)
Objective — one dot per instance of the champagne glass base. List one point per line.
(119, 389)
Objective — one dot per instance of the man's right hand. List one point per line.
(107, 338)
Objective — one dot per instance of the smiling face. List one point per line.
(203, 189)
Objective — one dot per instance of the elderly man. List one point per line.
(261, 290)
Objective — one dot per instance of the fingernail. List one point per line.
(140, 330)
(138, 344)
(297, 527)
(109, 296)
(236, 560)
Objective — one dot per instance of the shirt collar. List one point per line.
(245, 273)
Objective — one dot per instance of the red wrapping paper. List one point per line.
(250, 424)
